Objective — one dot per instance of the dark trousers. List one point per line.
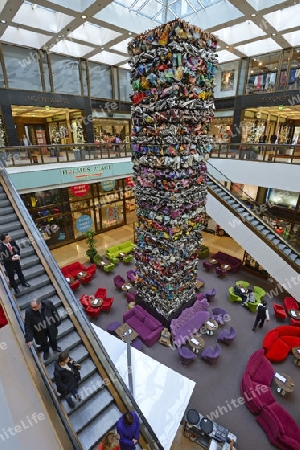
(11, 270)
(49, 343)
(68, 397)
(259, 321)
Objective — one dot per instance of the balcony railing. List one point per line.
(272, 153)
(49, 154)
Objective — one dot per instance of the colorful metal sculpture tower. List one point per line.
(172, 75)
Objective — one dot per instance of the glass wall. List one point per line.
(125, 85)
(262, 75)
(100, 81)
(22, 68)
(60, 214)
(65, 73)
(294, 76)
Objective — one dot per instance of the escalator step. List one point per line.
(293, 256)
(7, 218)
(276, 241)
(265, 231)
(42, 293)
(297, 261)
(260, 227)
(65, 328)
(287, 251)
(90, 409)
(93, 433)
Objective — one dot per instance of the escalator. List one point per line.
(104, 394)
(278, 257)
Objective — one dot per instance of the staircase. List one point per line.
(104, 395)
(256, 236)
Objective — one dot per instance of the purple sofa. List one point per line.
(148, 328)
(223, 258)
(189, 321)
(281, 429)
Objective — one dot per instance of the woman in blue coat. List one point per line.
(128, 427)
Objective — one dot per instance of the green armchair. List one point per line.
(245, 284)
(109, 267)
(127, 259)
(232, 296)
(259, 293)
(203, 252)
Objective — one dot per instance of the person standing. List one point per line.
(41, 322)
(128, 427)
(10, 258)
(110, 441)
(261, 315)
(66, 377)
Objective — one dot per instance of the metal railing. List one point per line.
(49, 154)
(271, 153)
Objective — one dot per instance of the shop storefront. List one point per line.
(64, 215)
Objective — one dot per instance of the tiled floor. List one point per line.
(76, 252)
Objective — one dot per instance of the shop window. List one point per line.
(46, 72)
(262, 74)
(283, 72)
(2, 81)
(84, 77)
(125, 85)
(81, 226)
(100, 81)
(116, 83)
(65, 72)
(294, 77)
(22, 68)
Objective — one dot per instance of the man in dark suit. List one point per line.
(10, 258)
(41, 322)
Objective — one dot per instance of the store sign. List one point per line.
(85, 173)
(84, 223)
(80, 190)
(108, 185)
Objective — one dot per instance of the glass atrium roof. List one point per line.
(100, 31)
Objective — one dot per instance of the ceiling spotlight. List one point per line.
(273, 34)
(253, 15)
(83, 17)
(3, 21)
(130, 33)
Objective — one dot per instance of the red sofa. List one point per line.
(279, 342)
(3, 319)
(223, 258)
(75, 268)
(75, 284)
(281, 429)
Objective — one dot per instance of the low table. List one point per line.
(121, 255)
(70, 280)
(95, 302)
(296, 353)
(198, 285)
(213, 261)
(295, 314)
(126, 287)
(125, 328)
(81, 275)
(225, 267)
(211, 325)
(196, 343)
(284, 385)
(102, 264)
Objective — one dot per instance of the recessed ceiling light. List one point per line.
(273, 34)
(130, 33)
(253, 15)
(83, 17)
(3, 21)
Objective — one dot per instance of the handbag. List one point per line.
(77, 365)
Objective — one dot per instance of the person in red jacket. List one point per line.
(110, 442)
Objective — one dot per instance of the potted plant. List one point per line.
(90, 241)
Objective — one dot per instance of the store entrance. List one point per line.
(46, 125)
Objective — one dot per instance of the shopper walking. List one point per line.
(261, 315)
(66, 377)
(10, 258)
(41, 322)
(128, 427)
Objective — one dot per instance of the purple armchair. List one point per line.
(131, 274)
(119, 281)
(130, 296)
(207, 266)
(226, 336)
(210, 295)
(186, 355)
(218, 314)
(211, 354)
(221, 272)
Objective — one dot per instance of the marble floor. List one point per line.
(76, 252)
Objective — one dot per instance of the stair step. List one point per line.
(90, 409)
(69, 341)
(10, 227)
(36, 284)
(4, 203)
(7, 218)
(255, 222)
(271, 236)
(297, 261)
(29, 261)
(276, 241)
(65, 328)
(4, 211)
(42, 293)
(293, 256)
(33, 271)
(3, 196)
(260, 227)
(17, 234)
(78, 353)
(265, 231)
(287, 251)
(282, 246)
(27, 251)
(94, 432)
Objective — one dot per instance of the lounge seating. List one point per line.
(186, 355)
(3, 319)
(223, 258)
(144, 324)
(290, 304)
(119, 281)
(72, 270)
(210, 295)
(137, 344)
(130, 296)
(112, 253)
(280, 341)
(112, 326)
(259, 293)
(127, 259)
(211, 354)
(100, 293)
(74, 285)
(294, 322)
(207, 266)
(227, 336)
(279, 312)
(232, 296)
(85, 300)
(107, 303)
(203, 252)
(109, 267)
(190, 320)
(92, 311)
(131, 274)
(245, 284)
(218, 314)
(221, 272)
(280, 427)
